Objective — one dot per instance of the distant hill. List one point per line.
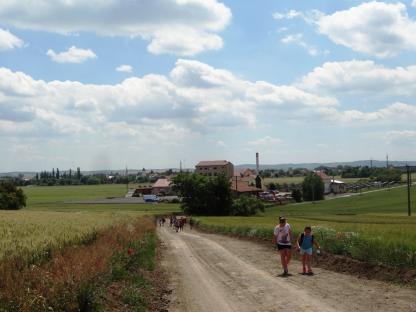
(90, 172)
(311, 166)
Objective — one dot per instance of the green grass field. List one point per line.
(298, 180)
(379, 217)
(60, 198)
(50, 221)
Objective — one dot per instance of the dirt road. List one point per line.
(219, 273)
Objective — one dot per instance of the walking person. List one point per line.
(305, 243)
(282, 237)
(191, 223)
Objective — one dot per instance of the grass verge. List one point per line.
(344, 252)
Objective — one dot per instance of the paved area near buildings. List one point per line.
(118, 200)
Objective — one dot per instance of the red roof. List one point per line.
(322, 175)
(212, 163)
(243, 187)
(162, 183)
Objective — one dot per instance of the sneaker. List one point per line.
(310, 273)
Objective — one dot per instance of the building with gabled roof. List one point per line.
(162, 187)
(215, 168)
(325, 179)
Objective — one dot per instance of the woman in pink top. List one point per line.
(283, 237)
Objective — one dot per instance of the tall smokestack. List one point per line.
(257, 164)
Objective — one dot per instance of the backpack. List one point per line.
(302, 236)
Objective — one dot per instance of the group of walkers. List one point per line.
(177, 222)
(305, 243)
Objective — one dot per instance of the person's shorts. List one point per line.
(306, 251)
(280, 246)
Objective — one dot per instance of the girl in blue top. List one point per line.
(305, 243)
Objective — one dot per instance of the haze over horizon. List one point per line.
(105, 84)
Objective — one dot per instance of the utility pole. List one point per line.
(127, 179)
(409, 184)
(387, 161)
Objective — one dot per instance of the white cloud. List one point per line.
(361, 77)
(222, 144)
(375, 28)
(194, 99)
(392, 114)
(288, 15)
(309, 17)
(73, 55)
(266, 141)
(414, 3)
(298, 40)
(183, 27)
(124, 68)
(399, 135)
(195, 96)
(8, 41)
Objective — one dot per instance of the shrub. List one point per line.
(11, 198)
(297, 195)
(312, 187)
(247, 206)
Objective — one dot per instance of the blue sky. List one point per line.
(105, 84)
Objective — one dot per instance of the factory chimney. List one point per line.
(257, 164)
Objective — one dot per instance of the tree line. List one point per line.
(212, 196)
(375, 173)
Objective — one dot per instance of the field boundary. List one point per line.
(327, 260)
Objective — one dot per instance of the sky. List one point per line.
(105, 84)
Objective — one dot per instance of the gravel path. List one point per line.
(211, 272)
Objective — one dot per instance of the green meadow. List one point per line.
(51, 221)
(365, 226)
(298, 180)
(371, 226)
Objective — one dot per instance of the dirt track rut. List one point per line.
(218, 273)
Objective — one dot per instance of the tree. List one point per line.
(258, 182)
(297, 195)
(272, 186)
(312, 187)
(78, 173)
(57, 173)
(203, 195)
(11, 198)
(247, 206)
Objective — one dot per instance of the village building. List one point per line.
(162, 187)
(240, 187)
(246, 175)
(338, 187)
(215, 168)
(326, 180)
(331, 185)
(139, 192)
